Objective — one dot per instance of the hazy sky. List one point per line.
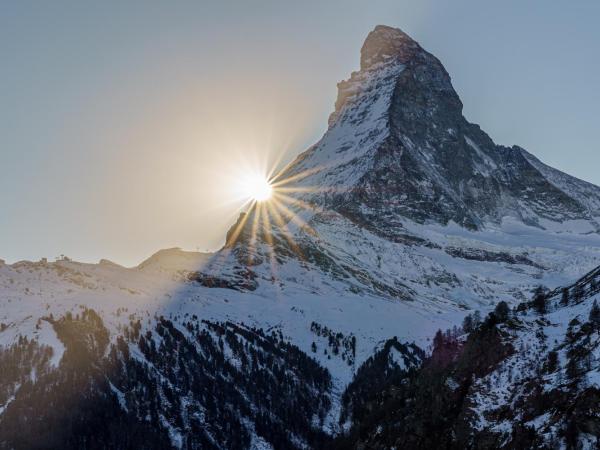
(122, 123)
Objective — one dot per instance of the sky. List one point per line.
(124, 124)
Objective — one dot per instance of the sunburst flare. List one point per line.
(273, 202)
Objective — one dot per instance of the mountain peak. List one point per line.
(387, 42)
(398, 148)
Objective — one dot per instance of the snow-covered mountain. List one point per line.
(402, 219)
(398, 147)
(404, 198)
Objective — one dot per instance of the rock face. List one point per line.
(384, 43)
(412, 154)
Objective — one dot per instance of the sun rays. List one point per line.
(274, 205)
(274, 210)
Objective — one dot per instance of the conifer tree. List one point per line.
(438, 340)
(564, 299)
(502, 311)
(467, 324)
(539, 300)
(594, 316)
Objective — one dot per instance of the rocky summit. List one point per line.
(398, 147)
(411, 285)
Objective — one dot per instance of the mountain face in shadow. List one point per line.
(319, 323)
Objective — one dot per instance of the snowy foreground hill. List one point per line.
(523, 378)
(314, 327)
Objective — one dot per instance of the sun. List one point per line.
(258, 188)
(270, 205)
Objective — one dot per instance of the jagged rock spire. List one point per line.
(386, 42)
(398, 147)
